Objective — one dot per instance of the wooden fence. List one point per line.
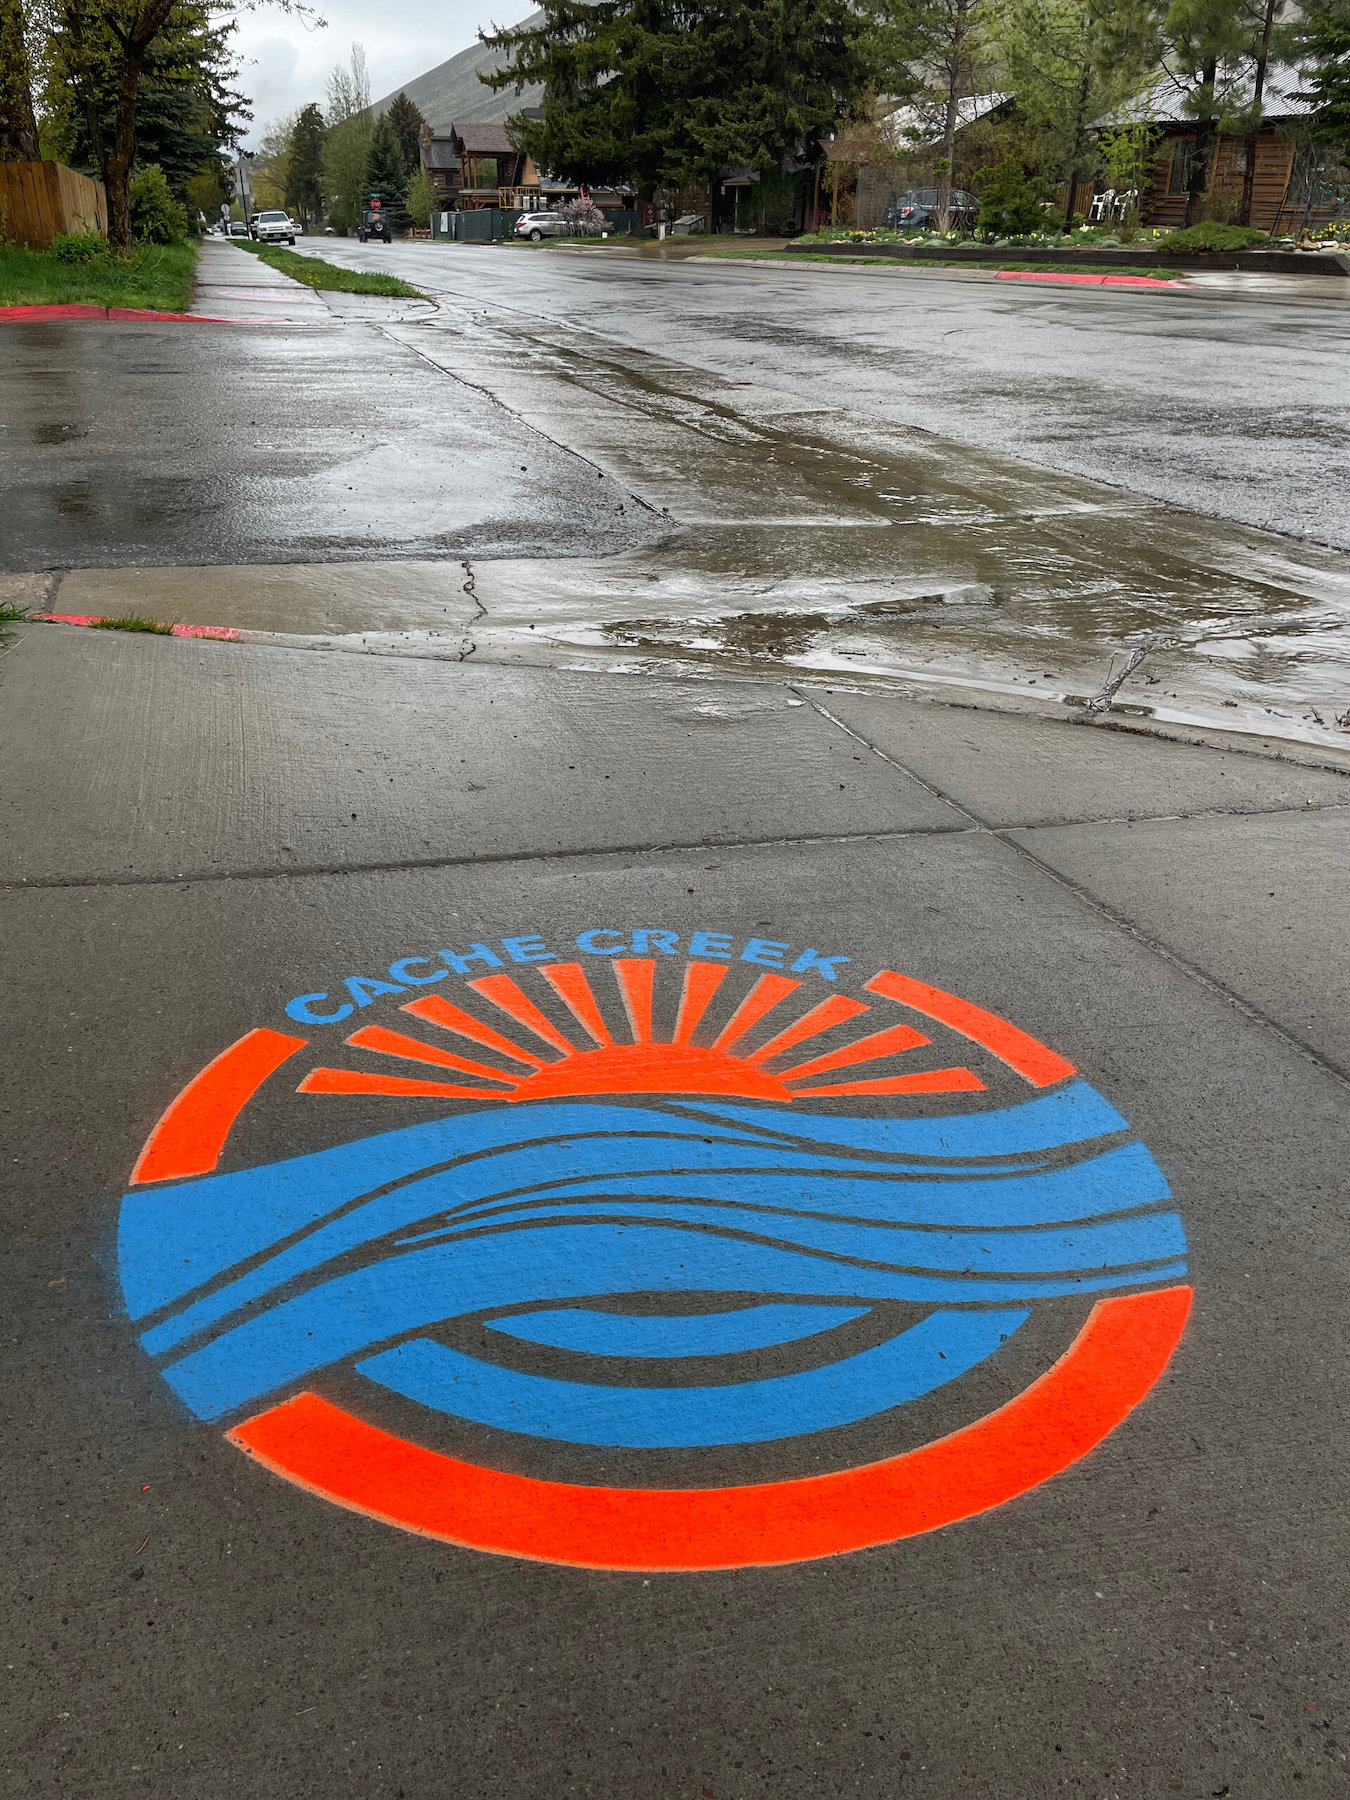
(41, 200)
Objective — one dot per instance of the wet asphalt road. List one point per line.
(1227, 405)
(205, 443)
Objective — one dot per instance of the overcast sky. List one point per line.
(282, 64)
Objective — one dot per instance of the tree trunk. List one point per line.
(18, 126)
(1079, 129)
(1253, 135)
(117, 175)
(1198, 184)
(943, 218)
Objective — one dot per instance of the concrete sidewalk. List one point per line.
(206, 841)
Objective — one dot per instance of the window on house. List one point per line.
(1183, 160)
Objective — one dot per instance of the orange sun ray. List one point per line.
(569, 983)
(352, 1081)
(453, 1018)
(762, 998)
(503, 992)
(394, 1043)
(869, 1049)
(635, 981)
(932, 1081)
(830, 1012)
(701, 982)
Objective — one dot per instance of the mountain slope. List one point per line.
(453, 91)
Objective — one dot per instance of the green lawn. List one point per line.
(316, 274)
(156, 276)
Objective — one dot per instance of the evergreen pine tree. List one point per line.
(407, 121)
(657, 92)
(304, 165)
(387, 173)
(1325, 44)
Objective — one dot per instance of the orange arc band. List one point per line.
(1039, 1064)
(1113, 1362)
(191, 1133)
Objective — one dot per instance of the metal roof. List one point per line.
(1165, 102)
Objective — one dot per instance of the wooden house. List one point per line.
(1292, 184)
(477, 164)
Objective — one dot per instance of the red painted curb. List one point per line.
(29, 315)
(227, 632)
(1146, 281)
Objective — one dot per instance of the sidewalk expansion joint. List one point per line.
(302, 871)
(1164, 952)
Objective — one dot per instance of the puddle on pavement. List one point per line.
(988, 570)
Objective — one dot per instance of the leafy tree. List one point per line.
(1324, 41)
(407, 122)
(944, 49)
(661, 91)
(156, 217)
(1011, 201)
(208, 189)
(1129, 151)
(269, 173)
(304, 165)
(421, 199)
(1067, 62)
(18, 122)
(120, 72)
(346, 146)
(1206, 45)
(387, 173)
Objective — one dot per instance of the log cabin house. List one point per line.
(476, 164)
(1293, 185)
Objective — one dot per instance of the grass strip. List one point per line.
(934, 262)
(134, 622)
(313, 272)
(157, 277)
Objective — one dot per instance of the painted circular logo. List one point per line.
(661, 1199)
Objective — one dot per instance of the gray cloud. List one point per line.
(283, 64)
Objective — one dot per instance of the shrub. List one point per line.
(583, 216)
(1010, 201)
(1213, 236)
(156, 217)
(76, 249)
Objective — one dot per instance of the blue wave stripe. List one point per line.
(1118, 1181)
(929, 1354)
(505, 1269)
(173, 1239)
(1067, 1116)
(1122, 1179)
(674, 1334)
(1154, 1237)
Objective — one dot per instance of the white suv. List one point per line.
(541, 225)
(273, 227)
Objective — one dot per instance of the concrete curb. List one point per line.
(934, 689)
(31, 315)
(224, 632)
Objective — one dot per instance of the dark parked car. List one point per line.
(915, 210)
